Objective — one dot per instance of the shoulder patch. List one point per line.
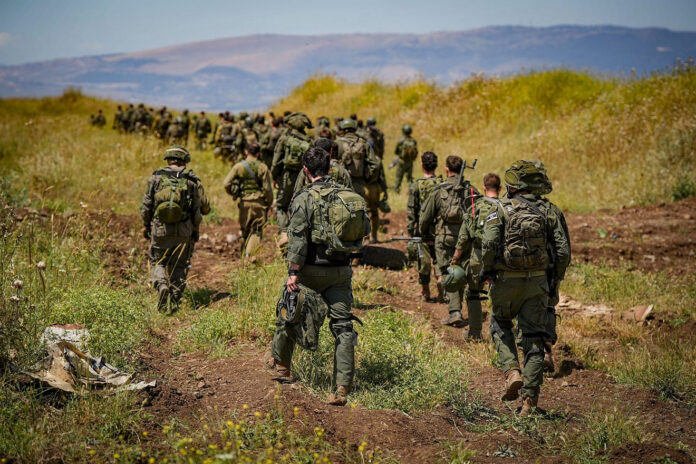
(492, 217)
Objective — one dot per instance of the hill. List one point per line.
(254, 71)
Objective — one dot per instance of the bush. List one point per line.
(683, 188)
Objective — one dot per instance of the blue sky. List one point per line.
(35, 30)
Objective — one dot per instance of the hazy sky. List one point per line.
(34, 30)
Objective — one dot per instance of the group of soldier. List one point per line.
(330, 189)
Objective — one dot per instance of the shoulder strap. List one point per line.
(251, 172)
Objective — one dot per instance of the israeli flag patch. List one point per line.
(492, 216)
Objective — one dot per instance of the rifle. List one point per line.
(417, 240)
(394, 163)
(460, 185)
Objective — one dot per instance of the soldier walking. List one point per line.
(406, 153)
(202, 128)
(517, 237)
(336, 170)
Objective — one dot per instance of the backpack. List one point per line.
(525, 244)
(425, 186)
(295, 147)
(409, 149)
(354, 154)
(172, 196)
(250, 136)
(456, 200)
(341, 220)
(483, 207)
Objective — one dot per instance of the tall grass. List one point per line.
(606, 142)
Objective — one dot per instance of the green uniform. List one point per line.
(286, 176)
(99, 120)
(268, 143)
(329, 276)
(521, 291)
(376, 139)
(337, 172)
(406, 153)
(117, 120)
(171, 244)
(469, 242)
(202, 128)
(364, 168)
(418, 193)
(443, 213)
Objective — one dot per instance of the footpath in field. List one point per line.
(657, 239)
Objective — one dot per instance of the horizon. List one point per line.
(42, 30)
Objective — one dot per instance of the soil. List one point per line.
(191, 384)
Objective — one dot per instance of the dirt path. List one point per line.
(194, 383)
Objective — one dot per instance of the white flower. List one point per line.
(18, 284)
(14, 299)
(41, 265)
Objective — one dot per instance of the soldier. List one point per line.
(375, 137)
(248, 135)
(117, 118)
(322, 275)
(202, 128)
(468, 250)
(336, 131)
(175, 131)
(262, 131)
(443, 212)
(517, 237)
(270, 140)
(418, 193)
(127, 118)
(99, 120)
(323, 129)
(171, 211)
(406, 153)
(336, 170)
(140, 123)
(220, 119)
(185, 122)
(364, 167)
(287, 164)
(362, 131)
(249, 181)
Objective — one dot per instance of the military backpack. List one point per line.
(409, 149)
(456, 199)
(525, 243)
(356, 159)
(483, 206)
(425, 186)
(295, 148)
(341, 220)
(172, 196)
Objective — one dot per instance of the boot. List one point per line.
(454, 319)
(513, 383)
(549, 366)
(163, 298)
(474, 337)
(425, 292)
(340, 397)
(440, 293)
(529, 405)
(281, 372)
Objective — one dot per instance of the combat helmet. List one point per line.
(248, 121)
(298, 121)
(177, 152)
(289, 306)
(407, 129)
(323, 121)
(528, 175)
(454, 279)
(348, 124)
(371, 121)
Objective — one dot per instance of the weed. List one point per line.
(604, 431)
(683, 187)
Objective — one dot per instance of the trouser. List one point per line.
(474, 292)
(444, 247)
(202, 145)
(426, 263)
(524, 298)
(370, 192)
(403, 168)
(286, 189)
(170, 258)
(334, 285)
(252, 217)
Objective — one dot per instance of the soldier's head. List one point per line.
(429, 162)
(337, 120)
(526, 177)
(99, 110)
(253, 150)
(316, 162)
(177, 155)
(348, 125)
(164, 108)
(287, 113)
(141, 105)
(323, 121)
(354, 117)
(119, 107)
(406, 129)
(299, 121)
(185, 111)
(453, 164)
(328, 146)
(277, 121)
(151, 109)
(271, 115)
(360, 124)
(248, 121)
(371, 121)
(261, 119)
(491, 185)
(202, 113)
(130, 105)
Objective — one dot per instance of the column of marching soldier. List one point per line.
(330, 187)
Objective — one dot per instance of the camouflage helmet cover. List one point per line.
(455, 278)
(298, 121)
(323, 121)
(528, 175)
(248, 121)
(371, 121)
(348, 124)
(178, 152)
(406, 129)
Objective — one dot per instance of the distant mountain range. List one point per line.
(253, 71)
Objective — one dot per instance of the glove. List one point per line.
(146, 233)
(487, 275)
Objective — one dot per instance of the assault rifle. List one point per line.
(394, 163)
(417, 240)
(467, 185)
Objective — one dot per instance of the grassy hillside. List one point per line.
(606, 142)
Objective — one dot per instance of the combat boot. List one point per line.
(281, 372)
(529, 405)
(454, 319)
(474, 337)
(425, 292)
(163, 298)
(549, 365)
(441, 293)
(340, 397)
(513, 383)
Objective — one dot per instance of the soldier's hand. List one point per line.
(292, 283)
(146, 233)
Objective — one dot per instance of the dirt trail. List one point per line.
(193, 383)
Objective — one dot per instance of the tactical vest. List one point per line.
(483, 206)
(251, 183)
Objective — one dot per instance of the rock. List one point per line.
(638, 314)
(202, 384)
(205, 237)
(231, 238)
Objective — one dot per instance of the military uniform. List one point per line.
(330, 276)
(520, 291)
(336, 171)
(250, 181)
(443, 213)
(418, 193)
(286, 152)
(117, 119)
(202, 128)
(364, 167)
(172, 244)
(406, 153)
